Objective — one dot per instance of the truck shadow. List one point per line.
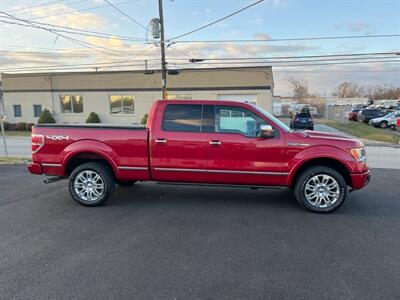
(208, 196)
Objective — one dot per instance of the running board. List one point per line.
(253, 187)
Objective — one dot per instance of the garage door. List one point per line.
(251, 98)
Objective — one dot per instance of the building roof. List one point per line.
(232, 78)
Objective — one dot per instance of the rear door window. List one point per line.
(182, 117)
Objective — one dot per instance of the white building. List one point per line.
(125, 96)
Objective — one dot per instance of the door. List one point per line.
(238, 155)
(178, 143)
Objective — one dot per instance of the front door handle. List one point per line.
(215, 143)
(160, 141)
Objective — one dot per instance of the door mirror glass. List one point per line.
(266, 131)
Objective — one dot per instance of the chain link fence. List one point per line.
(337, 113)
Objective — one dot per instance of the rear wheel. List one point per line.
(321, 189)
(91, 184)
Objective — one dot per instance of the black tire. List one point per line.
(105, 178)
(126, 182)
(307, 176)
(383, 124)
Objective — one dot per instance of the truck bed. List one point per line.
(123, 146)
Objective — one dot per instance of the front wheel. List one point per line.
(91, 184)
(321, 189)
(383, 124)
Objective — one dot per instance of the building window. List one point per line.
(37, 110)
(122, 104)
(71, 104)
(17, 110)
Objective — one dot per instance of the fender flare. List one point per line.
(330, 152)
(89, 146)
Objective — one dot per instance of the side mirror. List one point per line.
(267, 131)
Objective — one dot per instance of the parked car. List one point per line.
(353, 114)
(302, 120)
(385, 121)
(201, 143)
(370, 113)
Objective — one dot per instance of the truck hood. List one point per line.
(318, 138)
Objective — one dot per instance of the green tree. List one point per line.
(46, 117)
(93, 118)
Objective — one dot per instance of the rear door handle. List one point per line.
(214, 142)
(160, 141)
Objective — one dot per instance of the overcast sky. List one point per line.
(29, 47)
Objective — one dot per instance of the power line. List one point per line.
(87, 64)
(303, 56)
(303, 65)
(82, 31)
(292, 39)
(126, 15)
(43, 7)
(33, 6)
(83, 9)
(250, 64)
(80, 42)
(217, 21)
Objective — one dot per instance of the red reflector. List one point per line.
(37, 142)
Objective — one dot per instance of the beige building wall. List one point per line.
(96, 89)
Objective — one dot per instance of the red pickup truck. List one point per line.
(202, 143)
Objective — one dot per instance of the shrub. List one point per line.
(93, 118)
(20, 126)
(12, 127)
(6, 125)
(28, 126)
(144, 119)
(46, 117)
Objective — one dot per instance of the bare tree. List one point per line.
(299, 89)
(348, 90)
(382, 92)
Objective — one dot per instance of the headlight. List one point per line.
(359, 154)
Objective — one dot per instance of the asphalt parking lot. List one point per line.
(166, 242)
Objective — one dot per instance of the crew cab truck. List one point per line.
(202, 143)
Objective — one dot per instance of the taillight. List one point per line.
(37, 142)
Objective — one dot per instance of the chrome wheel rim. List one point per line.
(89, 185)
(322, 191)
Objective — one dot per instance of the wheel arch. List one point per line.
(82, 152)
(330, 162)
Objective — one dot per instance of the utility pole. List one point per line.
(162, 44)
(2, 118)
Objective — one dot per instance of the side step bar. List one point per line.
(253, 187)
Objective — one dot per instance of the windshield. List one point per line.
(390, 115)
(278, 122)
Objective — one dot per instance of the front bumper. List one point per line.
(360, 180)
(34, 168)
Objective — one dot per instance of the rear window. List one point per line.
(303, 115)
(180, 117)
